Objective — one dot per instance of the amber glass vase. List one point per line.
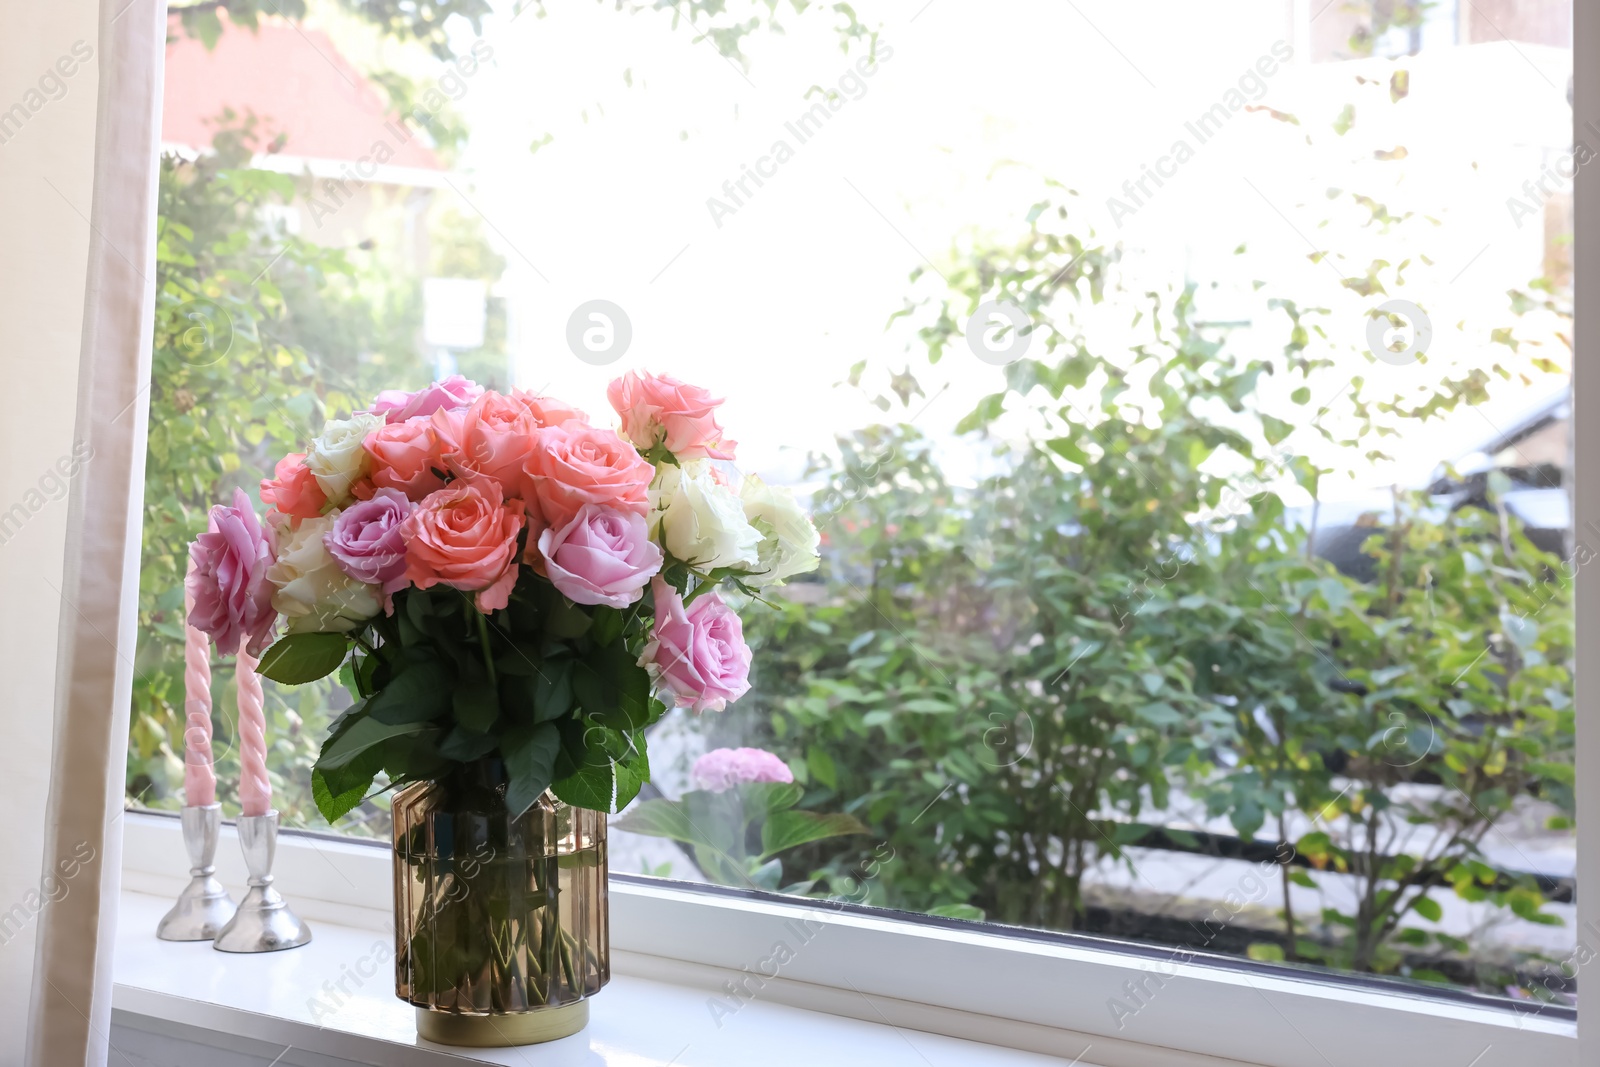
(500, 922)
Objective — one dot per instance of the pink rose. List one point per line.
(664, 411)
(548, 411)
(570, 466)
(603, 556)
(465, 537)
(490, 441)
(227, 579)
(293, 490)
(405, 456)
(723, 768)
(366, 542)
(697, 657)
(452, 394)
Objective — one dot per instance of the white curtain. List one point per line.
(80, 91)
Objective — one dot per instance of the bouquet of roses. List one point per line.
(493, 575)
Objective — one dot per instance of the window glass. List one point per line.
(1181, 390)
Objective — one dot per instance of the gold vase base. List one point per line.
(500, 1031)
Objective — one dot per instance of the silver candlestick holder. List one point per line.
(264, 921)
(203, 907)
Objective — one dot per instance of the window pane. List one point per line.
(1181, 390)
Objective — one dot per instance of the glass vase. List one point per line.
(501, 929)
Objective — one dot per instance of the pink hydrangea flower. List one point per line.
(723, 768)
(228, 578)
(452, 394)
(696, 656)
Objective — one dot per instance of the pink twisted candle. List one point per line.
(255, 789)
(199, 772)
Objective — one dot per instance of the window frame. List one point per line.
(1044, 992)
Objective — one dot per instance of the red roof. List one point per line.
(295, 80)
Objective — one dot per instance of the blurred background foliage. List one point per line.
(1006, 681)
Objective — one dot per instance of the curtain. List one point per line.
(69, 1015)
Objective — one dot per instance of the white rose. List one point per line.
(788, 539)
(701, 520)
(309, 589)
(336, 459)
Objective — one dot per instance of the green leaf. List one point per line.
(1159, 713)
(613, 689)
(660, 818)
(463, 746)
(552, 691)
(608, 786)
(1428, 908)
(765, 799)
(420, 692)
(359, 738)
(1068, 450)
(970, 912)
(530, 755)
(566, 620)
(607, 625)
(335, 806)
(301, 658)
(787, 829)
(1275, 429)
(477, 706)
(821, 766)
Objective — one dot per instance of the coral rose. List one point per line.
(696, 657)
(227, 579)
(661, 410)
(293, 490)
(405, 456)
(465, 537)
(571, 466)
(491, 440)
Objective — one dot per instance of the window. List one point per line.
(1182, 390)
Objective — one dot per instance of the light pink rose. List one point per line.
(723, 768)
(603, 556)
(227, 579)
(661, 410)
(570, 466)
(548, 411)
(696, 657)
(452, 394)
(365, 542)
(465, 536)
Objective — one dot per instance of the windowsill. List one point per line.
(191, 991)
(855, 978)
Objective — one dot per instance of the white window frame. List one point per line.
(1049, 993)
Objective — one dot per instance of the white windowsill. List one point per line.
(973, 994)
(271, 999)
